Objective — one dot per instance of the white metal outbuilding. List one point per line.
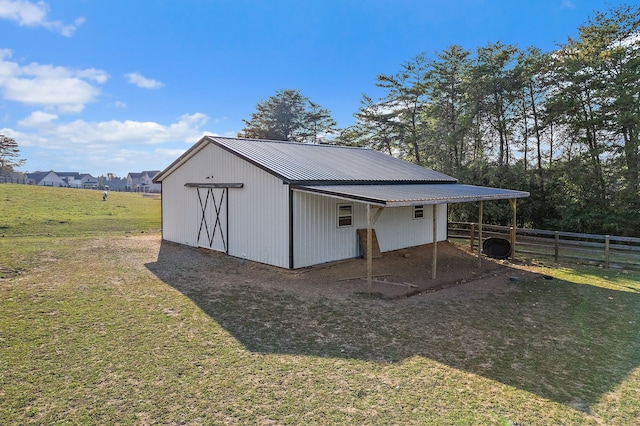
(295, 205)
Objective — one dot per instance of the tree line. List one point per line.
(563, 125)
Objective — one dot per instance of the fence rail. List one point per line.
(607, 250)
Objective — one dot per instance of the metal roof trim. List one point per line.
(365, 182)
(213, 185)
(248, 159)
(413, 195)
(181, 160)
(337, 194)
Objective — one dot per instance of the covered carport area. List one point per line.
(379, 197)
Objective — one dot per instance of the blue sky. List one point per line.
(113, 86)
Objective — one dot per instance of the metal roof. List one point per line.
(412, 194)
(360, 174)
(326, 164)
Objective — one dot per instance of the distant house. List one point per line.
(43, 179)
(62, 179)
(143, 181)
(89, 181)
(117, 184)
(77, 180)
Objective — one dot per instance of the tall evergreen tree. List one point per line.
(319, 123)
(450, 111)
(394, 122)
(373, 128)
(289, 116)
(496, 89)
(405, 101)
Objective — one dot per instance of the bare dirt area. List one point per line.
(398, 274)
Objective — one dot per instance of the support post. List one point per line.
(556, 247)
(472, 236)
(369, 248)
(480, 235)
(607, 241)
(512, 201)
(435, 243)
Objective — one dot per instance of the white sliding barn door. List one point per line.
(212, 223)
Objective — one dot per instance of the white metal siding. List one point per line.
(258, 213)
(179, 204)
(396, 228)
(318, 239)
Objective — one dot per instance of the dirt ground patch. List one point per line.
(398, 274)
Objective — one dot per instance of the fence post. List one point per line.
(473, 235)
(480, 234)
(606, 251)
(512, 238)
(435, 243)
(512, 201)
(556, 247)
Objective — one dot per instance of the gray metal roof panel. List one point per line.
(413, 195)
(298, 162)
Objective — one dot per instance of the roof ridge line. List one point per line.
(257, 140)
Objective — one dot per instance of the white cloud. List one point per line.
(24, 12)
(105, 146)
(66, 89)
(37, 119)
(143, 82)
(29, 14)
(132, 133)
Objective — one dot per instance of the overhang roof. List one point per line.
(413, 194)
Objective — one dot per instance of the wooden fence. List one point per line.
(606, 250)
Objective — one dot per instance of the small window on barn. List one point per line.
(345, 215)
(418, 212)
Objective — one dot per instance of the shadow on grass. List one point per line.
(567, 342)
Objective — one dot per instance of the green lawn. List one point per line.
(44, 211)
(108, 326)
(33, 217)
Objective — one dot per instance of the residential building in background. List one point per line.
(143, 181)
(62, 179)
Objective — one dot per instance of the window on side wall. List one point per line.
(345, 215)
(418, 212)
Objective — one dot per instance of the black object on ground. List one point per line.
(497, 248)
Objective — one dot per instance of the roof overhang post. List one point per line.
(512, 201)
(369, 247)
(371, 219)
(480, 235)
(435, 243)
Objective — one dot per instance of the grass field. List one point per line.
(34, 217)
(92, 332)
(54, 212)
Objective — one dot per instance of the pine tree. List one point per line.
(289, 116)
